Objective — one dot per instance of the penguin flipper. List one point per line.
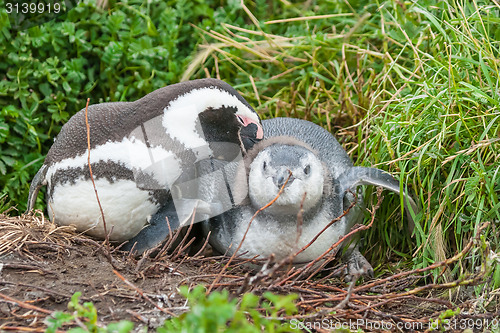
(164, 222)
(36, 184)
(356, 176)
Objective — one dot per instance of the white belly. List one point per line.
(265, 238)
(126, 208)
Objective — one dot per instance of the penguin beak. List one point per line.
(251, 132)
(280, 179)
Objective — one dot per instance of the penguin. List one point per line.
(142, 154)
(318, 179)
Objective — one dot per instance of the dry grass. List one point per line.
(17, 232)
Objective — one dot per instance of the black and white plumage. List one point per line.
(322, 181)
(140, 151)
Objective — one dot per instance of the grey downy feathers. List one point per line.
(321, 180)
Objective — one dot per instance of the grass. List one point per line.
(411, 88)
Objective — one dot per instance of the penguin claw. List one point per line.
(357, 265)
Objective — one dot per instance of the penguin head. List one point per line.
(205, 112)
(230, 130)
(295, 167)
(228, 123)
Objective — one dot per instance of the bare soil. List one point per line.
(42, 266)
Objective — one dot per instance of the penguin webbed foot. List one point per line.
(357, 265)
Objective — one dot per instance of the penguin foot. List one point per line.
(357, 265)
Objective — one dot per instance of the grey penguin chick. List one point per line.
(140, 152)
(321, 180)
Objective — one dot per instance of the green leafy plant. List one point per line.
(217, 312)
(86, 316)
(48, 71)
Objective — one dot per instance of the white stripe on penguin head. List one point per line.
(180, 117)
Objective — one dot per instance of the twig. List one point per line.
(48, 291)
(202, 249)
(328, 226)
(182, 245)
(24, 304)
(23, 329)
(248, 228)
(376, 305)
(106, 239)
(445, 262)
(264, 272)
(25, 266)
(300, 219)
(140, 292)
(170, 242)
(304, 269)
(344, 302)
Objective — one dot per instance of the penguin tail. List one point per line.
(37, 182)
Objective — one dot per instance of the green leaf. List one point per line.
(123, 326)
(471, 186)
(3, 169)
(496, 277)
(66, 86)
(74, 303)
(8, 160)
(151, 28)
(112, 54)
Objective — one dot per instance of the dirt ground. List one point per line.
(42, 266)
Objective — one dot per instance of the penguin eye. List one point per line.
(307, 169)
(240, 119)
(264, 165)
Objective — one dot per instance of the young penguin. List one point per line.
(321, 180)
(140, 152)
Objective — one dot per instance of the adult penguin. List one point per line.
(140, 153)
(316, 175)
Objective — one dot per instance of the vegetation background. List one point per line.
(408, 87)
